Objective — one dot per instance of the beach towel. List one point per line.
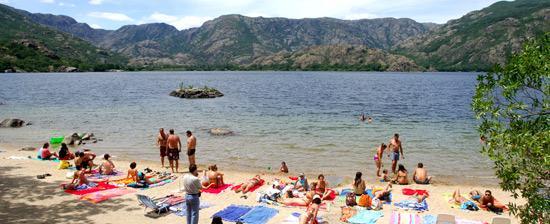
(371, 194)
(409, 192)
(101, 186)
(251, 189)
(140, 186)
(332, 195)
(232, 213)
(412, 204)
(365, 217)
(258, 215)
(181, 208)
(122, 182)
(429, 219)
(99, 196)
(404, 218)
(216, 190)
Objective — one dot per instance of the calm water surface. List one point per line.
(308, 119)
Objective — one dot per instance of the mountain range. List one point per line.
(475, 41)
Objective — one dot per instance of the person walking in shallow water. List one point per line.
(161, 142)
(396, 148)
(191, 147)
(174, 149)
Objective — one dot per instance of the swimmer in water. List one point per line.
(363, 117)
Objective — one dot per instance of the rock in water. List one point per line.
(72, 139)
(220, 131)
(12, 123)
(196, 93)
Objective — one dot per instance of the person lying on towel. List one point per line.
(245, 188)
(310, 217)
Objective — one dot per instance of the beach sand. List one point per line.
(26, 199)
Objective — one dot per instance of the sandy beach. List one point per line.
(26, 199)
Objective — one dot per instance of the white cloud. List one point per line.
(47, 1)
(119, 17)
(180, 22)
(95, 26)
(66, 4)
(96, 2)
(4, 1)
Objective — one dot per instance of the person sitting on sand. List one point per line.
(132, 172)
(79, 179)
(401, 177)
(310, 216)
(85, 160)
(488, 202)
(359, 184)
(284, 168)
(45, 154)
(245, 187)
(420, 175)
(215, 177)
(321, 188)
(64, 153)
(378, 158)
(107, 167)
(385, 177)
(301, 184)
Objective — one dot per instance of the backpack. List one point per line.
(365, 201)
(350, 199)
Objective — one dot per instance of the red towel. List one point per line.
(251, 189)
(100, 187)
(216, 190)
(408, 191)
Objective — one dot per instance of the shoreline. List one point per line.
(26, 193)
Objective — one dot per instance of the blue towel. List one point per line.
(345, 191)
(259, 215)
(429, 219)
(412, 204)
(232, 213)
(365, 217)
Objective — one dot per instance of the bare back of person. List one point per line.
(173, 142)
(421, 174)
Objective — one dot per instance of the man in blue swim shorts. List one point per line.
(395, 147)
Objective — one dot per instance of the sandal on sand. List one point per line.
(40, 176)
(244, 196)
(47, 175)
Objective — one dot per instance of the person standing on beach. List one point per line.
(174, 148)
(396, 148)
(191, 147)
(192, 187)
(378, 158)
(161, 142)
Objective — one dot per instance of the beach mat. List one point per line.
(99, 196)
(365, 217)
(261, 183)
(101, 186)
(404, 218)
(123, 181)
(216, 190)
(258, 215)
(429, 219)
(181, 208)
(412, 205)
(232, 213)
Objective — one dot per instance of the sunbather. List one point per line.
(107, 167)
(45, 153)
(401, 177)
(488, 202)
(301, 184)
(79, 179)
(245, 187)
(215, 177)
(359, 184)
(64, 153)
(311, 213)
(384, 194)
(321, 189)
(420, 175)
(303, 201)
(464, 203)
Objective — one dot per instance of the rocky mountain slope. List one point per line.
(25, 45)
(481, 38)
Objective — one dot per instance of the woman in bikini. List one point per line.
(245, 188)
(401, 177)
(311, 213)
(378, 158)
(215, 177)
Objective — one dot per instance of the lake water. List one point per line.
(308, 119)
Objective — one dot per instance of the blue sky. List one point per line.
(183, 14)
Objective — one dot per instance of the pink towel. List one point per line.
(100, 196)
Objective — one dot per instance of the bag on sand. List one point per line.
(365, 201)
(350, 199)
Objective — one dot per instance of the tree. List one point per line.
(513, 106)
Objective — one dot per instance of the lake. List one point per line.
(308, 119)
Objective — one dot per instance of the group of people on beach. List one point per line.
(170, 146)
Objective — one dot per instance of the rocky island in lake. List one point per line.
(191, 92)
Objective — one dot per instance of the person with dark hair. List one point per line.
(284, 168)
(132, 172)
(79, 179)
(359, 184)
(401, 177)
(45, 154)
(420, 175)
(192, 187)
(395, 147)
(161, 142)
(311, 213)
(191, 147)
(301, 184)
(85, 160)
(217, 220)
(378, 158)
(174, 149)
(64, 153)
(107, 167)
(487, 202)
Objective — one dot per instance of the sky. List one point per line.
(184, 14)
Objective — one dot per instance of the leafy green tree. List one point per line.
(513, 106)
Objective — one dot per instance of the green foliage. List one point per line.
(513, 105)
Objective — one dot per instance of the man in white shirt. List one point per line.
(192, 186)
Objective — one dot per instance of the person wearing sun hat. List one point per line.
(301, 184)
